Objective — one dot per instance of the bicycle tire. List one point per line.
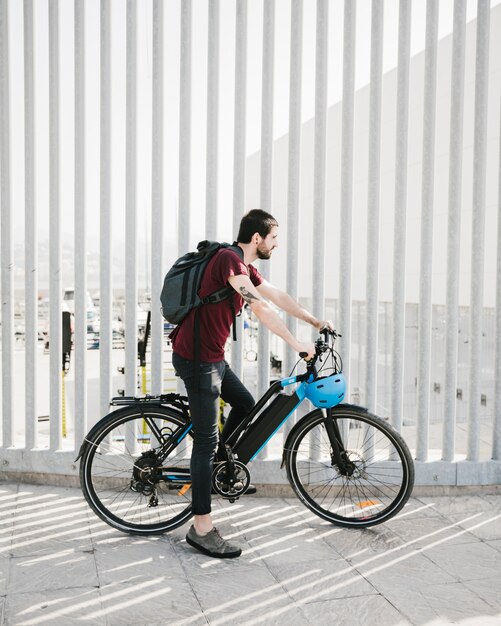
(107, 466)
(381, 483)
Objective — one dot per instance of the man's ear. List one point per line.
(256, 238)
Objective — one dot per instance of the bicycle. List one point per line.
(345, 464)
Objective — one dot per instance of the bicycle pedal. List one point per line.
(184, 489)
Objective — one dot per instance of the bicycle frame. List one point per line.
(254, 432)
(263, 421)
(345, 464)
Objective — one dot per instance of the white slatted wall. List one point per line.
(152, 49)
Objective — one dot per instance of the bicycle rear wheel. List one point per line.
(382, 471)
(125, 478)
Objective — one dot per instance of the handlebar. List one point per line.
(321, 346)
(325, 343)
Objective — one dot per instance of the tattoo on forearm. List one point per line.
(247, 295)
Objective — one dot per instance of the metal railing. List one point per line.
(137, 41)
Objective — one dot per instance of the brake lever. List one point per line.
(327, 331)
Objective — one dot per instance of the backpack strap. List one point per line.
(218, 296)
(225, 293)
(240, 253)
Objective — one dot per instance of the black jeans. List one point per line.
(215, 379)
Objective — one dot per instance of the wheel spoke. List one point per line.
(122, 476)
(381, 468)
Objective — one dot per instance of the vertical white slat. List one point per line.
(30, 233)
(55, 288)
(157, 197)
(496, 433)
(184, 213)
(345, 243)
(105, 201)
(184, 208)
(478, 225)
(373, 204)
(319, 159)
(319, 169)
(239, 155)
(426, 248)
(263, 375)
(211, 208)
(453, 229)
(131, 300)
(80, 230)
(6, 234)
(400, 213)
(293, 177)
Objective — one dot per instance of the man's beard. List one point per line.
(263, 253)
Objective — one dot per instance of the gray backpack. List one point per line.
(182, 282)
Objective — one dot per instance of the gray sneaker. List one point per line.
(212, 544)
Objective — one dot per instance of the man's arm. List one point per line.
(265, 314)
(289, 305)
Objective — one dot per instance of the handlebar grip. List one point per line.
(327, 331)
(303, 354)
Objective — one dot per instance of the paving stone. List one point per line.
(51, 537)
(466, 562)
(4, 574)
(496, 544)
(423, 532)
(285, 615)
(62, 607)
(158, 600)
(146, 558)
(369, 610)
(65, 569)
(489, 589)
(437, 562)
(483, 525)
(241, 594)
(48, 519)
(458, 504)
(319, 580)
(455, 602)
(411, 605)
(402, 569)
(359, 543)
(288, 546)
(486, 621)
(418, 508)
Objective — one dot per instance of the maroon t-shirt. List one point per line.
(215, 319)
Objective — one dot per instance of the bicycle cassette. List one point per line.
(232, 486)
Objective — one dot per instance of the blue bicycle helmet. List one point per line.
(326, 392)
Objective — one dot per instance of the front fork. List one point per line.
(339, 455)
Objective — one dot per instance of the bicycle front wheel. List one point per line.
(125, 478)
(380, 476)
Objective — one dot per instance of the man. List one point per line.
(257, 238)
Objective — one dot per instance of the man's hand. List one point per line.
(309, 348)
(324, 324)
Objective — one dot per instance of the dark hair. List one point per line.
(255, 221)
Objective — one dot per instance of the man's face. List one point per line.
(266, 246)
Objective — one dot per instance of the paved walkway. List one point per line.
(438, 562)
